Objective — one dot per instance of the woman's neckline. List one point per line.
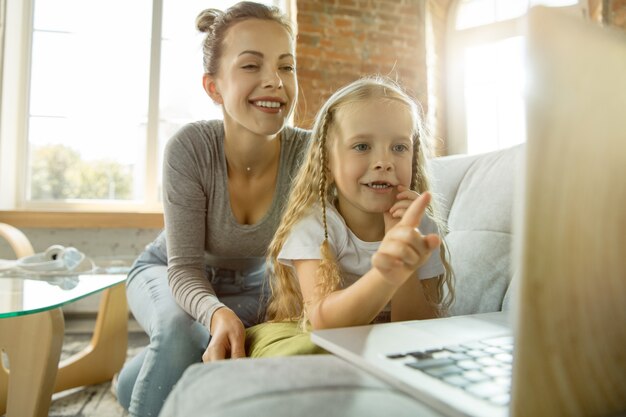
(278, 182)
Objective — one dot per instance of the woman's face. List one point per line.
(256, 82)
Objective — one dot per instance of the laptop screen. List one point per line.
(570, 355)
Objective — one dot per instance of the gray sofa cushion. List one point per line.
(476, 193)
(317, 385)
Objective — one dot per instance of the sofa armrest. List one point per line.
(316, 385)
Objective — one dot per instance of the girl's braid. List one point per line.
(323, 183)
(415, 182)
(328, 273)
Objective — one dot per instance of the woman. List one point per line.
(224, 185)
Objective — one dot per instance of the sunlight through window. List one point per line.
(487, 74)
(91, 133)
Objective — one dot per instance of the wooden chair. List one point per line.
(17, 240)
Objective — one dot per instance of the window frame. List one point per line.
(16, 36)
(457, 41)
(15, 88)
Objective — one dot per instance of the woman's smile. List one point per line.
(269, 105)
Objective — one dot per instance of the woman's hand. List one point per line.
(228, 337)
(404, 248)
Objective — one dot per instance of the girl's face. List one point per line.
(256, 82)
(370, 154)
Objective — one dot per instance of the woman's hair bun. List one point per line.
(206, 18)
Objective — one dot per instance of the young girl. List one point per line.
(354, 245)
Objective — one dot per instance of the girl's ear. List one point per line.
(210, 86)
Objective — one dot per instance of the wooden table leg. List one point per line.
(106, 353)
(33, 345)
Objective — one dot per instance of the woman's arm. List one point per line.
(184, 203)
(185, 170)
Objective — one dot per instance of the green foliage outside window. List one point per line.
(58, 173)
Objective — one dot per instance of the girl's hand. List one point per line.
(404, 248)
(405, 197)
(227, 337)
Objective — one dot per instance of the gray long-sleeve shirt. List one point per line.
(198, 217)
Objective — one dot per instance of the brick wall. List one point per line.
(611, 12)
(618, 13)
(341, 40)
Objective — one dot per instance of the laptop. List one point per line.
(562, 349)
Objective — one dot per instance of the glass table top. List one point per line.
(21, 295)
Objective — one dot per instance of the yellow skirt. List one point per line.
(279, 339)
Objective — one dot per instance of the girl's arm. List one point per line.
(401, 253)
(355, 305)
(410, 302)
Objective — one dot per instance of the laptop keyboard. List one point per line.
(483, 369)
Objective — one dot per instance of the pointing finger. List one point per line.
(414, 213)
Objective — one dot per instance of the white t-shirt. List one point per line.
(353, 255)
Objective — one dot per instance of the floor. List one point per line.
(95, 400)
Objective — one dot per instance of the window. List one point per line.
(91, 92)
(486, 73)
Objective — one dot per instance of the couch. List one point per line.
(476, 193)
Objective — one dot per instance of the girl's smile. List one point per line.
(380, 187)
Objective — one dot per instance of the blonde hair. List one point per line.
(311, 190)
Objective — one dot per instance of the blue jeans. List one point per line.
(177, 340)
